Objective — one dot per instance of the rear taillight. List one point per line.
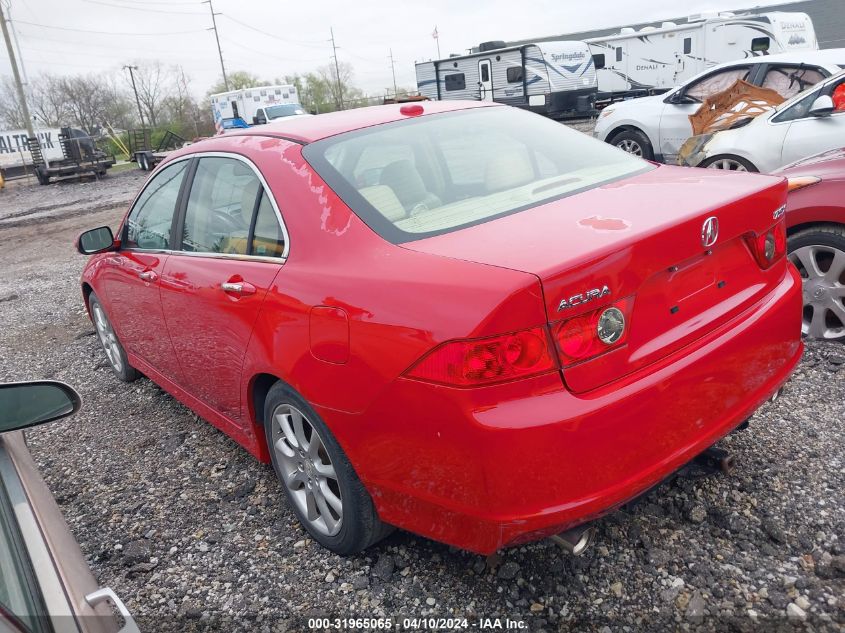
(594, 333)
(769, 246)
(486, 361)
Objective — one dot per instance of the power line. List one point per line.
(307, 43)
(271, 55)
(65, 28)
(118, 6)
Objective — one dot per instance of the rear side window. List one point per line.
(455, 81)
(151, 219)
(268, 239)
(687, 45)
(230, 213)
(220, 207)
(514, 74)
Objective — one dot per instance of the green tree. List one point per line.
(238, 80)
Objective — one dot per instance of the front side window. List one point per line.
(799, 107)
(711, 84)
(514, 74)
(151, 219)
(462, 168)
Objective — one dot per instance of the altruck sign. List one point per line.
(13, 150)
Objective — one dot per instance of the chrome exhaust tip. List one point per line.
(575, 541)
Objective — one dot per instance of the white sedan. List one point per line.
(656, 127)
(807, 124)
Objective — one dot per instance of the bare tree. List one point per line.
(11, 114)
(339, 86)
(47, 101)
(87, 98)
(154, 86)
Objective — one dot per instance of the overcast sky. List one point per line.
(272, 38)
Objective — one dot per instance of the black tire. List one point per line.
(43, 178)
(819, 244)
(627, 140)
(730, 158)
(121, 367)
(360, 526)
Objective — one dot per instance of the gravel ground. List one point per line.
(195, 534)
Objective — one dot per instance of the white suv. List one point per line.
(656, 127)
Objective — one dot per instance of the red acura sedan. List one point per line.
(461, 319)
(815, 221)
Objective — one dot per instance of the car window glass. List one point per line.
(18, 592)
(151, 218)
(268, 239)
(716, 82)
(220, 207)
(797, 110)
(490, 162)
(372, 161)
(788, 81)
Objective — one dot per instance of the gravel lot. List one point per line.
(194, 534)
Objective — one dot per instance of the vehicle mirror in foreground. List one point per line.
(24, 404)
(822, 106)
(95, 241)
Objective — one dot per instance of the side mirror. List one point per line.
(257, 120)
(822, 106)
(98, 240)
(25, 404)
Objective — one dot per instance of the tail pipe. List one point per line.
(717, 459)
(577, 540)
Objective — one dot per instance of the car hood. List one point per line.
(624, 108)
(828, 165)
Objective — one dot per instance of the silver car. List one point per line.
(45, 583)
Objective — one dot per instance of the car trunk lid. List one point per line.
(642, 238)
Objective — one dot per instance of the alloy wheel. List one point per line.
(822, 271)
(107, 337)
(630, 146)
(306, 469)
(728, 164)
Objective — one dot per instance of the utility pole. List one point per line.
(135, 90)
(16, 75)
(17, 45)
(393, 69)
(337, 71)
(217, 37)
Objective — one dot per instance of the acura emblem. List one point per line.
(709, 231)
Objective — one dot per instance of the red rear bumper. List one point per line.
(486, 468)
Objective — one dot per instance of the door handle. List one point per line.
(240, 288)
(102, 595)
(148, 275)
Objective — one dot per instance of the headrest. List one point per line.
(405, 180)
(506, 171)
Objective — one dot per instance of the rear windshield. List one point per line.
(435, 174)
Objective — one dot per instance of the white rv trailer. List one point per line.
(656, 59)
(553, 78)
(251, 104)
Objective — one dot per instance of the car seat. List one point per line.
(405, 181)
